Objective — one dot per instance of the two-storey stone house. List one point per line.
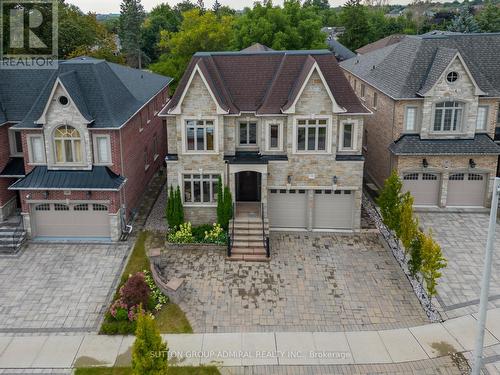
(282, 128)
(79, 145)
(435, 99)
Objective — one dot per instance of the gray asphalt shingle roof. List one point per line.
(98, 178)
(107, 93)
(405, 69)
(481, 144)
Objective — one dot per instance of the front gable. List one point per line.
(314, 96)
(197, 97)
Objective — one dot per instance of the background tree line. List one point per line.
(164, 39)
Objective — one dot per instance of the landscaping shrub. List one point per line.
(113, 327)
(135, 292)
(389, 201)
(215, 235)
(224, 205)
(156, 298)
(183, 235)
(174, 209)
(199, 232)
(149, 353)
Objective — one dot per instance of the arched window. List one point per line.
(448, 116)
(68, 145)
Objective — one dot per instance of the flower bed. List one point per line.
(138, 293)
(206, 234)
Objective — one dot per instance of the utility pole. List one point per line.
(485, 285)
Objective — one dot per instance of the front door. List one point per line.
(248, 186)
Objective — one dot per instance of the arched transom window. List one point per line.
(68, 145)
(448, 117)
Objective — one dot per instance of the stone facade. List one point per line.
(387, 124)
(307, 170)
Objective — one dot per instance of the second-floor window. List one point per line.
(448, 116)
(248, 133)
(375, 100)
(16, 143)
(68, 145)
(36, 149)
(102, 149)
(411, 119)
(347, 136)
(363, 90)
(311, 135)
(200, 135)
(482, 117)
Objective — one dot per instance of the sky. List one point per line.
(113, 6)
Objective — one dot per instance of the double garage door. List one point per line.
(83, 220)
(464, 189)
(332, 209)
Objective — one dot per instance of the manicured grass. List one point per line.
(170, 319)
(128, 371)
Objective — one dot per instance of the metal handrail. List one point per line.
(265, 239)
(231, 234)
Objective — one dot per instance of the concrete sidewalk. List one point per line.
(256, 349)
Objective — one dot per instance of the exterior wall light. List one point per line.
(89, 194)
(335, 179)
(46, 194)
(289, 179)
(425, 163)
(472, 163)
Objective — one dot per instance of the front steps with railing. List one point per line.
(12, 236)
(248, 241)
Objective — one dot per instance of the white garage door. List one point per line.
(287, 208)
(74, 220)
(333, 209)
(424, 187)
(466, 189)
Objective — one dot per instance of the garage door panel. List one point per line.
(333, 210)
(287, 209)
(61, 220)
(466, 189)
(424, 187)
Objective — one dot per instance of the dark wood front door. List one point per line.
(248, 186)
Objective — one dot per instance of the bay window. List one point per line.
(200, 135)
(448, 116)
(248, 133)
(311, 135)
(200, 188)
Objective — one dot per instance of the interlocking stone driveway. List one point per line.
(462, 237)
(58, 288)
(314, 282)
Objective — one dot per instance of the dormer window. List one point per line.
(452, 77)
(67, 145)
(448, 117)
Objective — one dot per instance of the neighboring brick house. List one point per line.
(79, 145)
(282, 128)
(435, 99)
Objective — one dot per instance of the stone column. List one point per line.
(356, 221)
(263, 191)
(443, 189)
(310, 209)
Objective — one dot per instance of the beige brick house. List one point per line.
(435, 100)
(282, 128)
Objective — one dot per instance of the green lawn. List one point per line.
(171, 319)
(128, 371)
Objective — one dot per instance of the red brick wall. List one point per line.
(28, 168)
(4, 146)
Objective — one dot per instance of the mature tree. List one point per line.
(290, 27)
(464, 21)
(104, 49)
(319, 4)
(131, 18)
(201, 5)
(149, 352)
(354, 16)
(184, 6)
(198, 32)
(216, 6)
(161, 18)
(489, 18)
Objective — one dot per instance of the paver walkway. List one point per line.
(257, 349)
(462, 237)
(313, 282)
(49, 288)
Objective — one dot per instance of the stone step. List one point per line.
(248, 258)
(249, 232)
(248, 250)
(250, 221)
(253, 226)
(248, 243)
(238, 237)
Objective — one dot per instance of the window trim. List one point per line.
(362, 91)
(97, 161)
(280, 134)
(328, 140)
(201, 173)
(238, 132)
(82, 147)
(459, 125)
(12, 143)
(486, 115)
(375, 100)
(184, 120)
(30, 149)
(354, 135)
(405, 120)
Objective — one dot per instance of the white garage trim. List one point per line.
(466, 189)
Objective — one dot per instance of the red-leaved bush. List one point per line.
(135, 291)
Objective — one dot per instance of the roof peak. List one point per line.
(270, 52)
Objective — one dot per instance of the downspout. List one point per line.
(123, 193)
(392, 135)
